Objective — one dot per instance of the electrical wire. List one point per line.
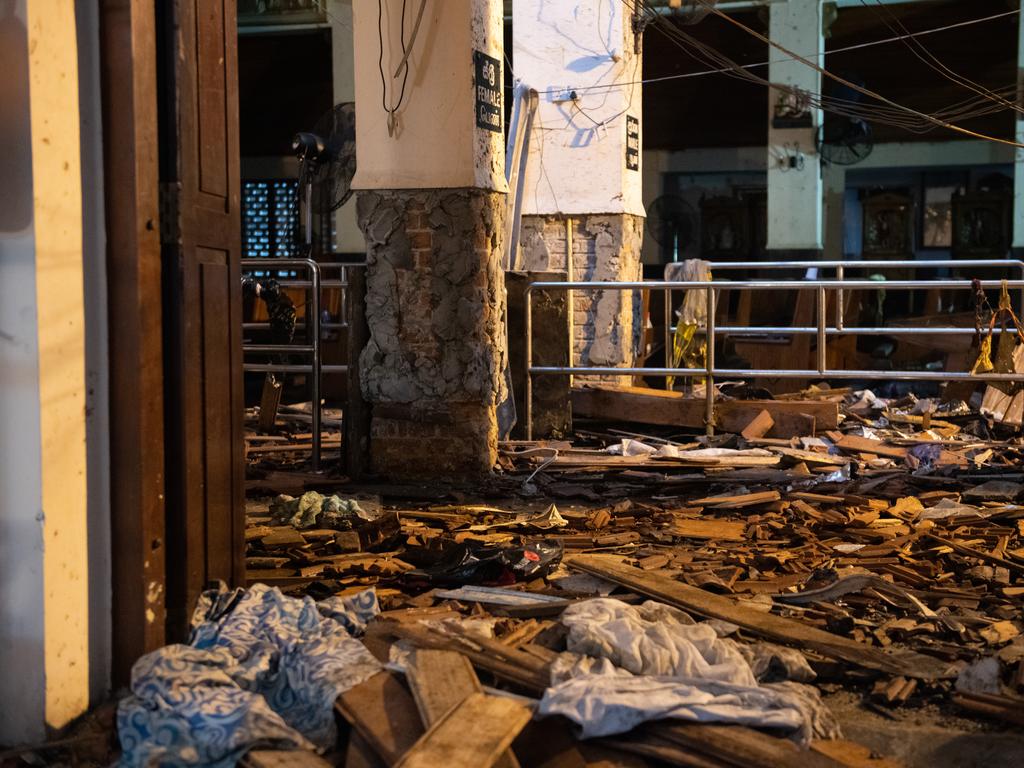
(893, 22)
(851, 108)
(930, 118)
(391, 110)
(834, 51)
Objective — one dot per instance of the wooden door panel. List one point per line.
(211, 107)
(205, 477)
(217, 365)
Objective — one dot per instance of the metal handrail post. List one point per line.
(709, 363)
(313, 325)
(529, 362)
(670, 357)
(314, 387)
(822, 338)
(840, 308)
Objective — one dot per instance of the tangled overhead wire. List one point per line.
(879, 109)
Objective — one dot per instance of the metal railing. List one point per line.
(822, 330)
(313, 323)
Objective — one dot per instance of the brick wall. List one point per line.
(607, 325)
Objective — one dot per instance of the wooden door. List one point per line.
(202, 300)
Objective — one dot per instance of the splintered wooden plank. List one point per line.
(738, 502)
(472, 735)
(272, 758)
(737, 745)
(784, 630)
(722, 530)
(360, 754)
(384, 714)
(658, 406)
(440, 681)
(759, 426)
(857, 444)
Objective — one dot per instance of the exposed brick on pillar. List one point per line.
(607, 325)
(434, 303)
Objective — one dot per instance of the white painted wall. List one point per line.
(437, 144)
(44, 537)
(577, 161)
(794, 194)
(22, 681)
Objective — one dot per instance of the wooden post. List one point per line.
(357, 410)
(137, 530)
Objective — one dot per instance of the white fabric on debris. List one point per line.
(627, 665)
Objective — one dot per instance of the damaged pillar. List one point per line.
(583, 185)
(431, 205)
(795, 218)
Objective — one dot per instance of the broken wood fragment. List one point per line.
(474, 734)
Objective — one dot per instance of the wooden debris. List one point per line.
(440, 681)
(656, 406)
(384, 714)
(473, 734)
(759, 426)
(768, 625)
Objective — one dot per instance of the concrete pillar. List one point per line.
(835, 207)
(348, 237)
(1018, 173)
(794, 168)
(432, 209)
(44, 614)
(584, 177)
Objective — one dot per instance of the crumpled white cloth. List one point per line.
(653, 639)
(627, 665)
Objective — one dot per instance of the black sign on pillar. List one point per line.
(632, 143)
(488, 92)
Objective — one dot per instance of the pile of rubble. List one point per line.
(639, 599)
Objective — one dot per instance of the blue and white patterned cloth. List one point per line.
(261, 670)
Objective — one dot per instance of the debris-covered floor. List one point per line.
(624, 598)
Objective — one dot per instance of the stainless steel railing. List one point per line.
(822, 330)
(313, 323)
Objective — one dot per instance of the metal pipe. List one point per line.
(670, 352)
(781, 374)
(291, 368)
(840, 308)
(298, 326)
(753, 285)
(822, 338)
(783, 330)
(529, 362)
(282, 349)
(709, 364)
(570, 272)
(315, 407)
(877, 264)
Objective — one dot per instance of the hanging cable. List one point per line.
(892, 21)
(843, 81)
(391, 110)
(757, 65)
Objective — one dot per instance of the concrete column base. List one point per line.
(607, 325)
(435, 300)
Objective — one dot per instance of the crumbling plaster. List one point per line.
(435, 296)
(607, 324)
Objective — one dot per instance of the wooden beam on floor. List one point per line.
(671, 409)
